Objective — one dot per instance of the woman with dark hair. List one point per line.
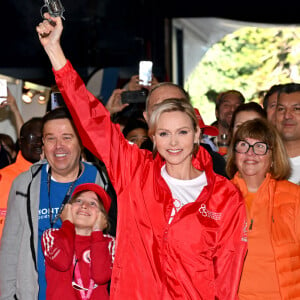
(136, 131)
(244, 112)
(258, 164)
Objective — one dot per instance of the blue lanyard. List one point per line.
(66, 198)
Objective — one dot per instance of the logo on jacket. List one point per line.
(209, 214)
(2, 212)
(86, 256)
(245, 232)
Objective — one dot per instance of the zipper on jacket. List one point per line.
(251, 224)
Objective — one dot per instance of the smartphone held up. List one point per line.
(145, 72)
(132, 97)
(3, 91)
(56, 100)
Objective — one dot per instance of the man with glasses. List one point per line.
(30, 144)
(36, 200)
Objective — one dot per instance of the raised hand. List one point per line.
(49, 33)
(66, 214)
(114, 103)
(101, 222)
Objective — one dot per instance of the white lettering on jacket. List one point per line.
(209, 214)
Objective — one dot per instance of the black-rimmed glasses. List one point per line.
(259, 148)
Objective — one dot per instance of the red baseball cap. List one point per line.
(208, 130)
(106, 200)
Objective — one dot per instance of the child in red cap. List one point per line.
(79, 256)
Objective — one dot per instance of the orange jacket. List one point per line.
(283, 198)
(7, 175)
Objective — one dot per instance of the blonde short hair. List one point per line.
(170, 105)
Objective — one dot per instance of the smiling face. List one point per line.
(62, 148)
(85, 210)
(288, 116)
(31, 141)
(175, 137)
(226, 109)
(252, 165)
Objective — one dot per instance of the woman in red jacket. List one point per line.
(258, 165)
(181, 227)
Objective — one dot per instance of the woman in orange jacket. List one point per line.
(258, 165)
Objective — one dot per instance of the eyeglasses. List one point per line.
(259, 148)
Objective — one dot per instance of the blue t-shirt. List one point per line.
(53, 199)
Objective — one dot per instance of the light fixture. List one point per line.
(27, 97)
(33, 91)
(41, 98)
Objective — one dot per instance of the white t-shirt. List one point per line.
(183, 191)
(295, 175)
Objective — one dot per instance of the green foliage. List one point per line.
(250, 60)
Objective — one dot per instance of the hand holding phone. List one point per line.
(3, 91)
(134, 97)
(56, 100)
(145, 72)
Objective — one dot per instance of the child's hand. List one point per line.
(66, 214)
(101, 222)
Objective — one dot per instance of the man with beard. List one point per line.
(226, 103)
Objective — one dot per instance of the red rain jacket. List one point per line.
(200, 254)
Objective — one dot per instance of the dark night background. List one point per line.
(115, 33)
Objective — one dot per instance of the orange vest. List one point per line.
(7, 175)
(276, 231)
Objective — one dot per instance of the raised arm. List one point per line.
(92, 120)
(18, 119)
(49, 36)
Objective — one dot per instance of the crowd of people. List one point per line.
(163, 206)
